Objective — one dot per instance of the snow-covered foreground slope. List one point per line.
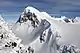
(9, 43)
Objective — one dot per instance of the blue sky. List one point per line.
(11, 9)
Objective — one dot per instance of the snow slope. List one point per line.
(7, 38)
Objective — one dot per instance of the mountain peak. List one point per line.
(32, 9)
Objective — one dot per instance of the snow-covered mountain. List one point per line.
(41, 32)
(76, 20)
(31, 34)
(27, 27)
